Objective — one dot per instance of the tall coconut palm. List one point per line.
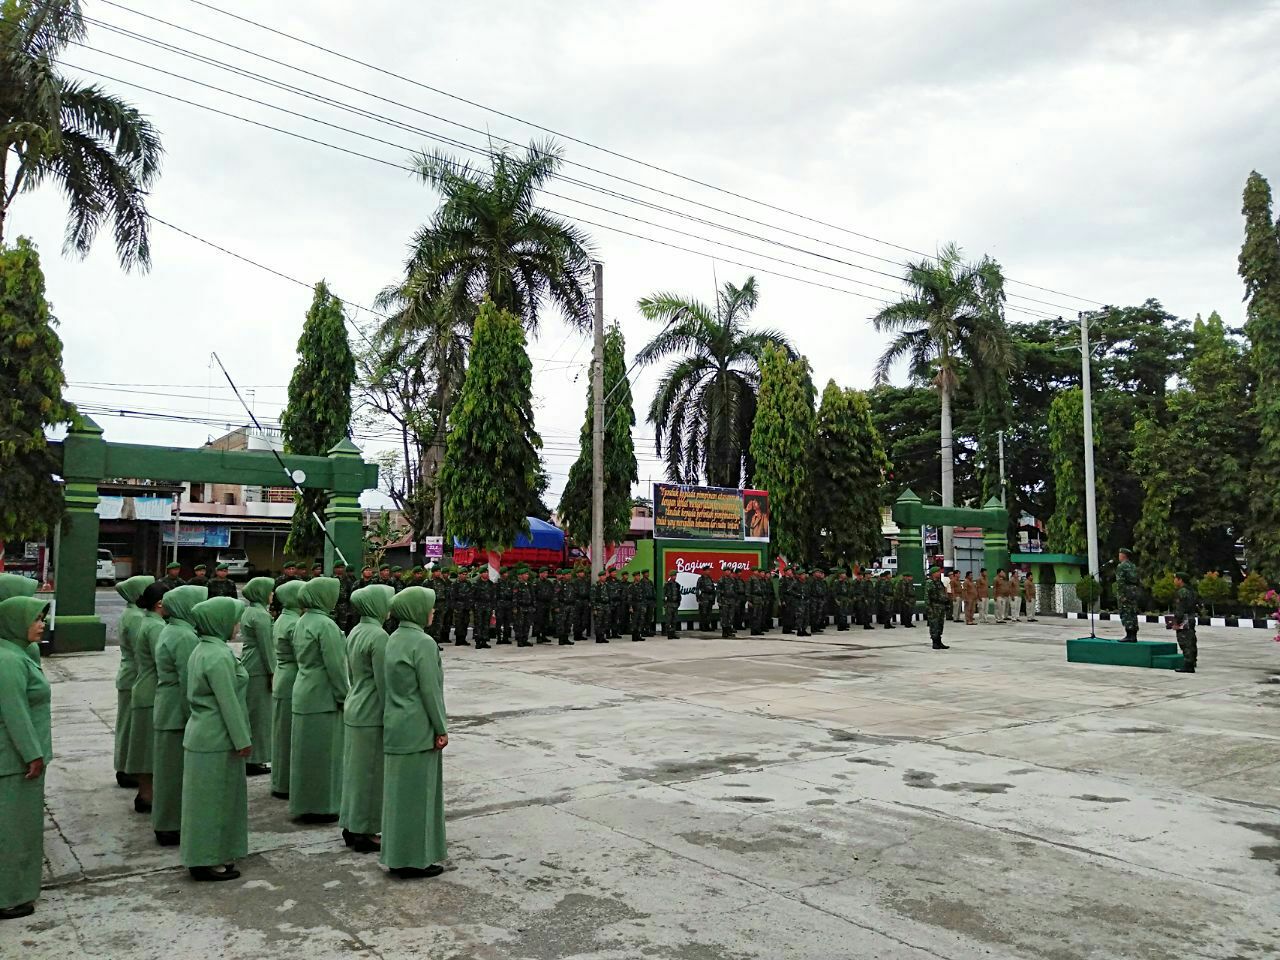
(100, 150)
(489, 238)
(706, 401)
(950, 323)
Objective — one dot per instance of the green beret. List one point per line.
(200, 566)
(384, 566)
(419, 569)
(1126, 551)
(173, 565)
(223, 566)
(1182, 575)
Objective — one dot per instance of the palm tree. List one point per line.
(488, 238)
(100, 150)
(706, 401)
(951, 321)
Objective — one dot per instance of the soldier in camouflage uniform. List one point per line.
(441, 584)
(343, 614)
(618, 588)
(706, 593)
(1186, 608)
(460, 601)
(671, 605)
(482, 597)
(636, 610)
(581, 604)
(200, 576)
(786, 600)
(884, 600)
(907, 600)
(866, 600)
(222, 585)
(818, 596)
(522, 605)
(800, 594)
(936, 607)
(1128, 593)
(287, 573)
(650, 598)
(562, 607)
(756, 587)
(601, 608)
(544, 593)
(727, 601)
(841, 596)
(503, 605)
(744, 594)
(171, 578)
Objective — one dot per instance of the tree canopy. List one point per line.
(848, 476)
(782, 438)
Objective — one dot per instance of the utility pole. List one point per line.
(1000, 437)
(597, 426)
(1090, 500)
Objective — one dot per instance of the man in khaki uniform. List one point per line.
(956, 592)
(1001, 590)
(969, 593)
(983, 594)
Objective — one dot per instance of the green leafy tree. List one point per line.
(1260, 270)
(950, 323)
(1067, 526)
(1214, 589)
(1157, 537)
(31, 384)
(489, 238)
(1162, 591)
(1252, 591)
(492, 464)
(705, 403)
(848, 477)
(101, 152)
(620, 470)
(782, 439)
(1088, 591)
(318, 414)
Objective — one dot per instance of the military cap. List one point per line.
(173, 565)
(200, 566)
(1126, 551)
(396, 568)
(384, 566)
(1182, 575)
(933, 569)
(221, 566)
(419, 569)
(366, 567)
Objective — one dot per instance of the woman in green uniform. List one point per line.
(258, 655)
(127, 673)
(13, 585)
(169, 717)
(361, 814)
(289, 596)
(142, 699)
(414, 735)
(215, 799)
(26, 746)
(315, 764)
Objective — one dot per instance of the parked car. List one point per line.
(106, 574)
(237, 561)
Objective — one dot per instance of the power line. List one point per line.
(586, 143)
(380, 118)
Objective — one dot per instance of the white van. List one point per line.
(106, 574)
(237, 562)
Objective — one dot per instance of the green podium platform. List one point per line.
(1160, 655)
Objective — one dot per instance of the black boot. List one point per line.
(126, 781)
(1185, 668)
(168, 838)
(939, 645)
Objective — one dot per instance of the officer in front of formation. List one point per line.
(1128, 594)
(221, 585)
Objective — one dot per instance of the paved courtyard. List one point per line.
(854, 795)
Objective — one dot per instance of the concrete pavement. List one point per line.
(849, 795)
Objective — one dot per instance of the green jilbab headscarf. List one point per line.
(258, 655)
(288, 596)
(215, 804)
(362, 761)
(13, 585)
(25, 737)
(413, 829)
(315, 764)
(169, 718)
(130, 590)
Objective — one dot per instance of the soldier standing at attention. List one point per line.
(317, 570)
(503, 605)
(581, 605)
(801, 594)
(366, 575)
(419, 577)
(636, 607)
(706, 594)
(786, 602)
(936, 605)
(460, 598)
(969, 591)
(884, 600)
(1186, 606)
(523, 603)
(671, 605)
(544, 595)
(562, 607)
(1001, 590)
(384, 576)
(342, 611)
(1127, 595)
(200, 576)
(222, 585)
(982, 592)
(841, 595)
(907, 600)
(818, 596)
(171, 578)
(650, 600)
(441, 584)
(726, 601)
(288, 572)
(601, 608)
(482, 597)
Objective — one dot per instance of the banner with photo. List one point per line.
(755, 516)
(684, 512)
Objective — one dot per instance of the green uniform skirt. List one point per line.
(281, 739)
(215, 809)
(260, 719)
(166, 781)
(138, 758)
(413, 810)
(124, 723)
(362, 780)
(315, 764)
(22, 806)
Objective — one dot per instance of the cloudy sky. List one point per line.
(1095, 148)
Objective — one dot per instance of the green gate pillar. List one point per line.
(344, 520)
(910, 541)
(995, 537)
(76, 625)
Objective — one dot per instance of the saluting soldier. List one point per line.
(221, 585)
(601, 608)
(671, 605)
(936, 605)
(171, 578)
(706, 594)
(582, 588)
(544, 595)
(1186, 607)
(1128, 593)
(200, 576)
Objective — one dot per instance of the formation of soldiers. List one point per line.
(220, 585)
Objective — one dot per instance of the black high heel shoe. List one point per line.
(214, 874)
(168, 838)
(141, 806)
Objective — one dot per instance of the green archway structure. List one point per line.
(911, 513)
(88, 459)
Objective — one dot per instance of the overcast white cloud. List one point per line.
(1096, 148)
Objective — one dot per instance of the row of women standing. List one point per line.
(190, 714)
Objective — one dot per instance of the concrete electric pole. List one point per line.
(597, 426)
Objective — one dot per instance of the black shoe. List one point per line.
(939, 645)
(867, 626)
(126, 781)
(601, 640)
(365, 844)
(501, 642)
(564, 643)
(168, 838)
(461, 643)
(415, 873)
(348, 837)
(318, 818)
(521, 643)
(1185, 669)
(482, 645)
(256, 769)
(20, 911)
(214, 874)
(141, 806)
(280, 794)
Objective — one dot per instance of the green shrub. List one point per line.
(1088, 590)
(1252, 591)
(1214, 589)
(1162, 591)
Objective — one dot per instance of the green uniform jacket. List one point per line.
(366, 657)
(671, 592)
(216, 682)
(937, 600)
(414, 714)
(173, 647)
(25, 725)
(320, 649)
(144, 659)
(130, 620)
(288, 595)
(257, 632)
(1186, 607)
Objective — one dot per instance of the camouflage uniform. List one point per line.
(1186, 607)
(460, 601)
(800, 595)
(842, 595)
(706, 600)
(648, 599)
(504, 607)
(907, 600)
(671, 606)
(818, 595)
(522, 605)
(1127, 597)
(727, 601)
(636, 609)
(601, 609)
(544, 592)
(582, 599)
(223, 586)
(937, 606)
